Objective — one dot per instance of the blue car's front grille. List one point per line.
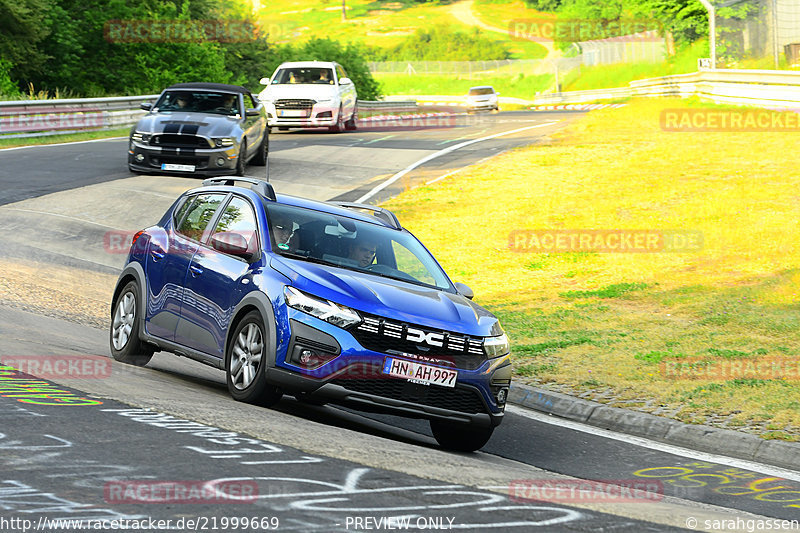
(385, 336)
(454, 399)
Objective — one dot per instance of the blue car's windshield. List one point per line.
(217, 103)
(354, 245)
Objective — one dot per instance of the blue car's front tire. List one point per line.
(460, 437)
(246, 361)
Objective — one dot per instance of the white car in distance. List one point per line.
(310, 94)
(482, 97)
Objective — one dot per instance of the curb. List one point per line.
(574, 107)
(697, 437)
(418, 116)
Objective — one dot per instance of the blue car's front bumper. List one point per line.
(353, 376)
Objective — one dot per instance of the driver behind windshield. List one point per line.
(363, 251)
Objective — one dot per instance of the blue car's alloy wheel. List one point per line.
(245, 363)
(126, 346)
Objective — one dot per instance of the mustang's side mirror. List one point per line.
(252, 112)
(465, 291)
(230, 242)
(147, 106)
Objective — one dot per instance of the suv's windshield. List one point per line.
(217, 103)
(352, 244)
(475, 91)
(314, 75)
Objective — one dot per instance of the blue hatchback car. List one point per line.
(327, 302)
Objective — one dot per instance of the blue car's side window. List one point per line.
(239, 218)
(199, 215)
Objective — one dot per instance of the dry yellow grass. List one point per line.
(736, 299)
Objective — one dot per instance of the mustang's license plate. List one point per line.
(292, 113)
(180, 168)
(419, 373)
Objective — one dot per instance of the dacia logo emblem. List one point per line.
(432, 338)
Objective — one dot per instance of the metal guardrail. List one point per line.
(36, 118)
(763, 88)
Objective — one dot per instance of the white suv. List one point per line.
(310, 94)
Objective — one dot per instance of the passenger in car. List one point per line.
(283, 230)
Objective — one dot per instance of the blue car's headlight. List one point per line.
(496, 346)
(330, 312)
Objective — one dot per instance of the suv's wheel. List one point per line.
(241, 162)
(339, 126)
(260, 159)
(126, 347)
(351, 124)
(246, 361)
(460, 437)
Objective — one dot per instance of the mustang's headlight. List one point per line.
(496, 346)
(140, 137)
(223, 142)
(331, 312)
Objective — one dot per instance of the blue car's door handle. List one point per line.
(195, 270)
(157, 254)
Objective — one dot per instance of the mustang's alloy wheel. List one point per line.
(126, 346)
(246, 361)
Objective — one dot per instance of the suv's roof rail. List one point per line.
(264, 188)
(380, 212)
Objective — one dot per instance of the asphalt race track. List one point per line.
(295, 467)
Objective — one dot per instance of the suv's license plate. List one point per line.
(180, 168)
(420, 373)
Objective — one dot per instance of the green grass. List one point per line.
(619, 75)
(580, 322)
(518, 86)
(69, 137)
(380, 24)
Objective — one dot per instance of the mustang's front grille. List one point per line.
(177, 140)
(463, 400)
(386, 336)
(288, 103)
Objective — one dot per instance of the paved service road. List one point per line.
(312, 468)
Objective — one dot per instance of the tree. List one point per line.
(22, 28)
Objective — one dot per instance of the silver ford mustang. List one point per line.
(209, 129)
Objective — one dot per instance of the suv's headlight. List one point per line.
(496, 346)
(331, 312)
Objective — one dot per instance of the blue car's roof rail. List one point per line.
(262, 187)
(383, 214)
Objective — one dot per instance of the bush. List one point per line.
(441, 43)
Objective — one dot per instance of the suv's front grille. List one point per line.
(176, 140)
(294, 104)
(386, 336)
(455, 399)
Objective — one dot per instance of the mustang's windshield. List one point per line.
(217, 103)
(351, 244)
